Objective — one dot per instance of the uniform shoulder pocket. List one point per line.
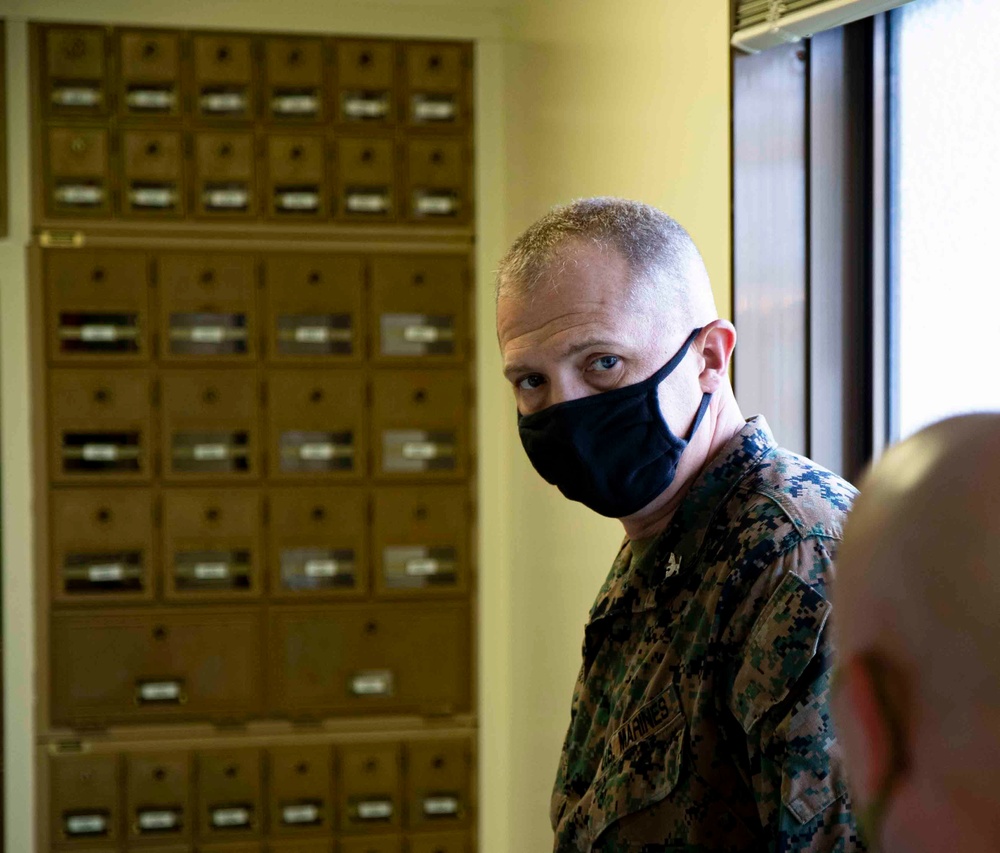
(782, 642)
(641, 764)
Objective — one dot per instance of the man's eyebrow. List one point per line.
(588, 343)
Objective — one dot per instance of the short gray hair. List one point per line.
(655, 246)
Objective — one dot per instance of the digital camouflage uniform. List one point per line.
(700, 719)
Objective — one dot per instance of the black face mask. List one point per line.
(612, 452)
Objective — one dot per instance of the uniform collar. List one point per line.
(631, 584)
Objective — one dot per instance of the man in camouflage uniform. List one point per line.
(700, 717)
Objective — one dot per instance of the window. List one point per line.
(944, 189)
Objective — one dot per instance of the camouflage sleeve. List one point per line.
(780, 697)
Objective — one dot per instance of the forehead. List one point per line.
(583, 284)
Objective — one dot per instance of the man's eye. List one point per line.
(605, 362)
(531, 382)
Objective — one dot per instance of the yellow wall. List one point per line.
(603, 98)
(575, 97)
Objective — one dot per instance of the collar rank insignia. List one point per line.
(673, 566)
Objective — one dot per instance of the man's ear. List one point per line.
(715, 342)
(863, 728)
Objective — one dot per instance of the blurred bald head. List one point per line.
(918, 591)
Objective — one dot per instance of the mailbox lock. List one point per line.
(418, 279)
(76, 48)
(371, 765)
(438, 762)
(149, 49)
(318, 513)
(225, 150)
(367, 155)
(153, 149)
(104, 515)
(78, 145)
(213, 513)
(296, 152)
(207, 276)
(86, 775)
(102, 395)
(371, 627)
(437, 157)
(315, 277)
(420, 513)
(231, 771)
(434, 62)
(419, 396)
(211, 395)
(316, 395)
(97, 274)
(295, 57)
(222, 54)
(302, 768)
(160, 632)
(159, 774)
(365, 59)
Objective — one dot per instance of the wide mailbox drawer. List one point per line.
(150, 74)
(100, 426)
(97, 305)
(419, 424)
(293, 69)
(439, 779)
(154, 665)
(365, 80)
(366, 179)
(158, 792)
(314, 307)
(420, 536)
(315, 424)
(301, 790)
(225, 181)
(317, 542)
(102, 545)
(223, 77)
(419, 308)
(369, 787)
(79, 179)
(296, 177)
(437, 173)
(76, 71)
(210, 425)
(230, 794)
(152, 166)
(208, 306)
(85, 798)
(211, 543)
(436, 84)
(356, 659)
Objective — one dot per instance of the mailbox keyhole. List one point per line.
(104, 515)
(371, 765)
(160, 632)
(210, 396)
(419, 396)
(78, 145)
(86, 775)
(213, 514)
(231, 771)
(420, 513)
(159, 774)
(222, 54)
(437, 157)
(365, 59)
(302, 768)
(102, 395)
(316, 395)
(207, 276)
(296, 152)
(295, 57)
(434, 62)
(225, 150)
(76, 48)
(371, 627)
(149, 49)
(418, 279)
(438, 762)
(318, 513)
(97, 274)
(315, 277)
(367, 155)
(153, 149)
